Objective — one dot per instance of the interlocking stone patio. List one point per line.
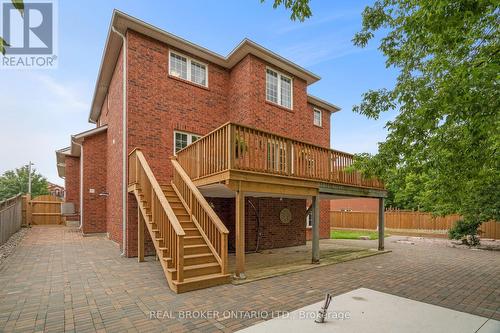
(58, 280)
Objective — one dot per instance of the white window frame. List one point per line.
(189, 61)
(189, 138)
(309, 220)
(320, 117)
(280, 75)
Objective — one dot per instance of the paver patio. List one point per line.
(58, 280)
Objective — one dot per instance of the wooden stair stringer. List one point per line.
(167, 270)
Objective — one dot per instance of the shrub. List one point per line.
(466, 231)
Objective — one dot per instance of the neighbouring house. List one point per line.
(196, 155)
(55, 190)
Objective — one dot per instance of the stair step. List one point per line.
(192, 240)
(196, 259)
(201, 269)
(191, 231)
(200, 282)
(196, 249)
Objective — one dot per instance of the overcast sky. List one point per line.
(40, 109)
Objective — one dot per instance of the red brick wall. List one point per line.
(94, 177)
(159, 104)
(355, 204)
(273, 233)
(324, 220)
(111, 114)
(72, 183)
(248, 105)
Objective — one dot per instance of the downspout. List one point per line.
(124, 141)
(81, 182)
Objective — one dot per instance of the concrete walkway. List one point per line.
(58, 280)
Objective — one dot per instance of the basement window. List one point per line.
(183, 139)
(188, 69)
(309, 220)
(317, 117)
(279, 88)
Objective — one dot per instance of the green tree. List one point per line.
(442, 150)
(300, 8)
(444, 143)
(13, 182)
(19, 5)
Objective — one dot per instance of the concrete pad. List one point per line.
(366, 310)
(491, 326)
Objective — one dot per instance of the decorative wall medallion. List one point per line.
(285, 216)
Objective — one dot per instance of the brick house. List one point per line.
(196, 155)
(55, 190)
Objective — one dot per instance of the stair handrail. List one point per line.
(218, 245)
(159, 193)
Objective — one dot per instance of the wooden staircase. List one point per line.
(191, 243)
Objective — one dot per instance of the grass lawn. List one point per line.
(351, 234)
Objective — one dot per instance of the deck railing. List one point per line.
(239, 147)
(211, 227)
(162, 214)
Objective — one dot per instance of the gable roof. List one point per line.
(122, 22)
(74, 150)
(316, 101)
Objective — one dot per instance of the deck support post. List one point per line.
(381, 226)
(240, 235)
(140, 236)
(315, 229)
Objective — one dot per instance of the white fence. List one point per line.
(11, 216)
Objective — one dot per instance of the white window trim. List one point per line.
(320, 117)
(279, 87)
(189, 136)
(189, 60)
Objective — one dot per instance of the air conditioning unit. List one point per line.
(67, 208)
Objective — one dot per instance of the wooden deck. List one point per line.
(238, 155)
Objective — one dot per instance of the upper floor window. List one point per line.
(188, 69)
(317, 117)
(183, 139)
(278, 88)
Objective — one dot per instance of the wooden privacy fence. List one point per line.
(10, 217)
(405, 220)
(44, 210)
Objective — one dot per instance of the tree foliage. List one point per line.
(13, 182)
(19, 5)
(300, 9)
(442, 149)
